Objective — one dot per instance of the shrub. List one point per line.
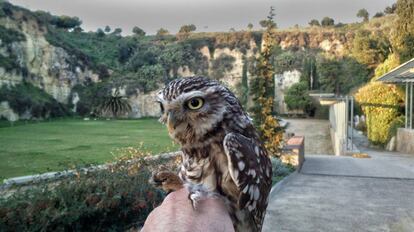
(116, 199)
(221, 65)
(297, 97)
(380, 104)
(8, 36)
(279, 169)
(25, 97)
(394, 125)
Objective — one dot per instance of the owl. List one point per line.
(222, 155)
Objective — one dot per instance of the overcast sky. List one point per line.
(207, 15)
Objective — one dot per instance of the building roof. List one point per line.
(401, 74)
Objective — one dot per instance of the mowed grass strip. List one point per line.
(58, 145)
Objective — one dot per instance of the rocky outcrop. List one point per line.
(45, 66)
(56, 71)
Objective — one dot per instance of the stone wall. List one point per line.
(405, 140)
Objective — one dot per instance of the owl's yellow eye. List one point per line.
(195, 103)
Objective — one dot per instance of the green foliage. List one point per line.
(244, 84)
(398, 122)
(138, 31)
(314, 22)
(114, 106)
(390, 9)
(25, 97)
(340, 76)
(8, 36)
(287, 60)
(297, 97)
(262, 89)
(280, 170)
(380, 104)
(250, 26)
(162, 32)
(107, 29)
(9, 63)
(327, 22)
(107, 200)
(221, 65)
(310, 72)
(370, 49)
(363, 13)
(403, 40)
(390, 63)
(187, 28)
(66, 22)
(379, 15)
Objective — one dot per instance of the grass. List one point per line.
(57, 145)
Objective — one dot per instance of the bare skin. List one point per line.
(176, 214)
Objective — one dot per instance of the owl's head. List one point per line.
(193, 106)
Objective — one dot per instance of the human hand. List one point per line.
(176, 214)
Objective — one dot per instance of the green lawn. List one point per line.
(61, 144)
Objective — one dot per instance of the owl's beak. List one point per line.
(171, 121)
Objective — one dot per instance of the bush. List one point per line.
(394, 125)
(297, 98)
(381, 104)
(221, 65)
(280, 170)
(116, 199)
(25, 97)
(8, 36)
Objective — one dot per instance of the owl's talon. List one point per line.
(166, 180)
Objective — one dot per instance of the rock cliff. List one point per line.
(56, 71)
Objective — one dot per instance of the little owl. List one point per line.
(222, 153)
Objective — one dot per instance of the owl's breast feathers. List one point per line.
(238, 168)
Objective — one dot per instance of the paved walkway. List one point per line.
(316, 132)
(346, 194)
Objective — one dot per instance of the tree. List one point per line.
(66, 22)
(403, 38)
(244, 85)
(171, 58)
(327, 21)
(161, 33)
(378, 15)
(340, 76)
(265, 23)
(250, 26)
(221, 65)
(100, 32)
(309, 73)
(370, 49)
(114, 106)
(107, 29)
(187, 28)
(297, 97)
(314, 22)
(138, 31)
(391, 9)
(363, 13)
(262, 90)
(117, 31)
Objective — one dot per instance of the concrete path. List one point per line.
(346, 194)
(316, 132)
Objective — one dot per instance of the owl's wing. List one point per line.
(251, 170)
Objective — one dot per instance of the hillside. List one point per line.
(49, 67)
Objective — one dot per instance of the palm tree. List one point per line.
(114, 106)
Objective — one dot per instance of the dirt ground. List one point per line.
(316, 132)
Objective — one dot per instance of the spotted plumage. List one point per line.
(222, 153)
